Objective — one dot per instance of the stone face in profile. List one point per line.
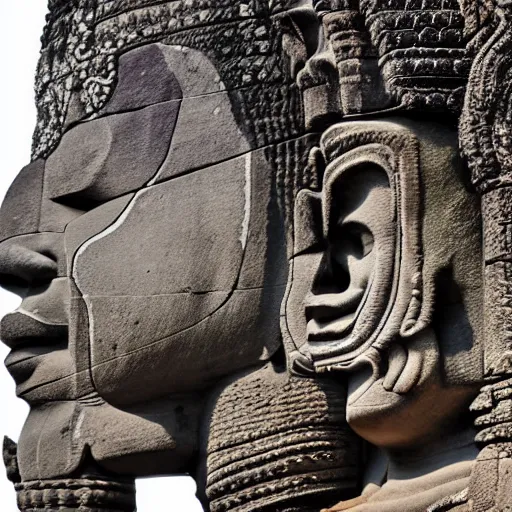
(156, 259)
(149, 243)
(249, 249)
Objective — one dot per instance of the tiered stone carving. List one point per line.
(266, 243)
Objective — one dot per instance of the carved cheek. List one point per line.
(360, 270)
(146, 289)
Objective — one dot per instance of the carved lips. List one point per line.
(33, 265)
(39, 356)
(332, 316)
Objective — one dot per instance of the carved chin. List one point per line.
(374, 414)
(407, 401)
(391, 420)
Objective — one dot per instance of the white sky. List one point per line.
(19, 49)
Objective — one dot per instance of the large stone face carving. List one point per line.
(394, 295)
(266, 243)
(148, 240)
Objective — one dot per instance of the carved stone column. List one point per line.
(485, 135)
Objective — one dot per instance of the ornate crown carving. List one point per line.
(83, 40)
(402, 54)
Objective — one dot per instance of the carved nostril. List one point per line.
(22, 265)
(330, 277)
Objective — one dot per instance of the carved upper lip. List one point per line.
(18, 329)
(30, 339)
(22, 363)
(332, 316)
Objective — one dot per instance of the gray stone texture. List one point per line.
(21, 208)
(83, 228)
(167, 277)
(87, 494)
(144, 79)
(297, 455)
(205, 122)
(110, 156)
(255, 237)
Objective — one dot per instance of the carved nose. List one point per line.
(25, 266)
(33, 266)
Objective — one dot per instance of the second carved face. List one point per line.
(378, 288)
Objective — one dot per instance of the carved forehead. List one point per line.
(84, 39)
(420, 158)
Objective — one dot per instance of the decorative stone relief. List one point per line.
(266, 243)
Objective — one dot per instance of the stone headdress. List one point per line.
(449, 61)
(84, 39)
(391, 54)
